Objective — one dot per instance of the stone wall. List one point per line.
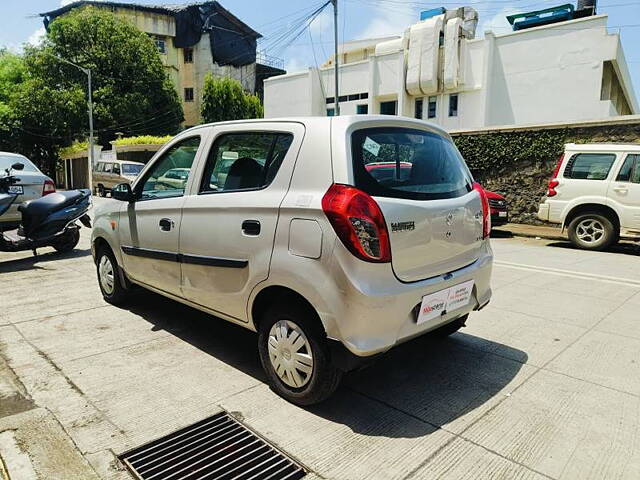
(518, 163)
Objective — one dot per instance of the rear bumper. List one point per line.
(543, 212)
(377, 313)
(12, 215)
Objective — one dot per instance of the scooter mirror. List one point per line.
(17, 166)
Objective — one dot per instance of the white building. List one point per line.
(567, 71)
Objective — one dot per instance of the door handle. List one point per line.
(620, 189)
(166, 224)
(251, 227)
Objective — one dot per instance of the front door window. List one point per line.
(169, 175)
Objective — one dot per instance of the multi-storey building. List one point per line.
(193, 40)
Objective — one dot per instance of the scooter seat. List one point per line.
(41, 207)
(35, 212)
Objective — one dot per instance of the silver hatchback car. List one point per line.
(334, 238)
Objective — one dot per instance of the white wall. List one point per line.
(545, 74)
(287, 95)
(550, 73)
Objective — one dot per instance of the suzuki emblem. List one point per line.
(449, 218)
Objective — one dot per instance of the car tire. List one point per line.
(68, 241)
(592, 231)
(112, 288)
(294, 354)
(451, 327)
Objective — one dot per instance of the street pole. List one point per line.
(335, 56)
(91, 159)
(87, 72)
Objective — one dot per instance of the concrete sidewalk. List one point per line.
(544, 383)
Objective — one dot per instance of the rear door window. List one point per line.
(589, 166)
(244, 161)
(408, 163)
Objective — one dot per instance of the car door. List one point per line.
(228, 225)
(624, 192)
(150, 226)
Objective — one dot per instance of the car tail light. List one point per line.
(553, 183)
(358, 222)
(486, 213)
(49, 187)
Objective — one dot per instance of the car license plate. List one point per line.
(444, 301)
(502, 214)
(19, 189)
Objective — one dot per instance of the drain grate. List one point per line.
(218, 447)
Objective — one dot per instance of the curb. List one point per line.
(546, 236)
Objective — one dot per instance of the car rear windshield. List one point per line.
(131, 169)
(408, 163)
(6, 161)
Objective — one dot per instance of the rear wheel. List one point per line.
(101, 191)
(112, 288)
(592, 231)
(294, 355)
(68, 241)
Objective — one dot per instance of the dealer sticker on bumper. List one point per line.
(444, 301)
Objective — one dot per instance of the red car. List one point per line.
(499, 208)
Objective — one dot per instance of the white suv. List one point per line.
(595, 194)
(291, 228)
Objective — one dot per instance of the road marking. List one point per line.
(570, 273)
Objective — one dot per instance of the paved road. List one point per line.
(543, 383)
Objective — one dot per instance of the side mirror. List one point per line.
(17, 166)
(123, 193)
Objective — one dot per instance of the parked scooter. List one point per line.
(50, 221)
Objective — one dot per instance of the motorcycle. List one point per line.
(50, 221)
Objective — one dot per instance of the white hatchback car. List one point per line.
(595, 194)
(282, 228)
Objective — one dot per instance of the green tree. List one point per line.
(12, 74)
(132, 92)
(224, 99)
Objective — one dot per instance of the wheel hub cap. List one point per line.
(290, 353)
(105, 274)
(590, 230)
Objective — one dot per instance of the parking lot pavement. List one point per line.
(543, 383)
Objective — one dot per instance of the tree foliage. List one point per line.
(224, 99)
(132, 92)
(12, 74)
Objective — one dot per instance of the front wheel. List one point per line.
(67, 241)
(294, 355)
(111, 286)
(592, 231)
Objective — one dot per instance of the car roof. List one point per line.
(342, 122)
(599, 147)
(11, 154)
(120, 161)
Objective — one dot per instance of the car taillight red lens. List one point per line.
(358, 222)
(553, 183)
(486, 213)
(49, 187)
